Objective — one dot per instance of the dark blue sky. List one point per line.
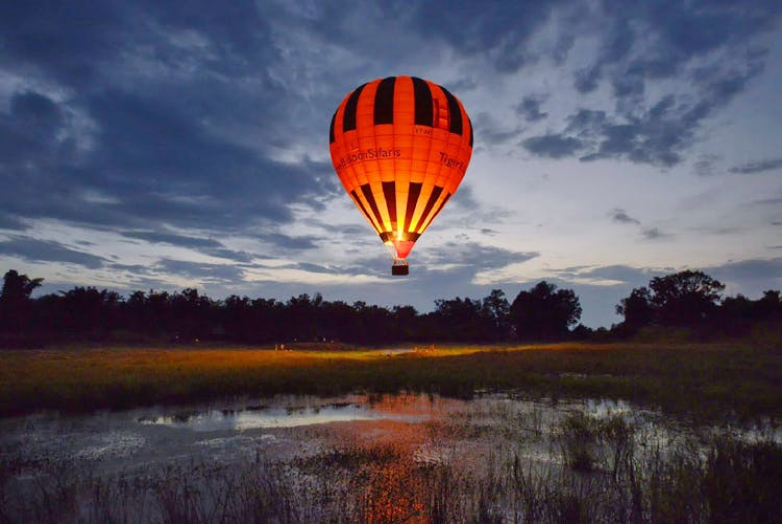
(184, 144)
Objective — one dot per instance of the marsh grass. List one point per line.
(721, 479)
(701, 380)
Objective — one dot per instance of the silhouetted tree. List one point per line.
(406, 322)
(685, 298)
(496, 309)
(15, 300)
(18, 288)
(459, 319)
(544, 312)
(637, 309)
(689, 298)
(87, 310)
(770, 305)
(191, 315)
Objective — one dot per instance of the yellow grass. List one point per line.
(719, 376)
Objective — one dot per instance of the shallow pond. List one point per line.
(302, 448)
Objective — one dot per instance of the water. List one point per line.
(330, 442)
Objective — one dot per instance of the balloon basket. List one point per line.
(400, 268)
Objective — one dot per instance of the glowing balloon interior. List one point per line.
(400, 146)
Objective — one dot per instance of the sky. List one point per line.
(163, 145)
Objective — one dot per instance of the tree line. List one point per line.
(689, 299)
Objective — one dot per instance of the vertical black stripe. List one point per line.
(389, 191)
(367, 190)
(432, 199)
(331, 128)
(361, 205)
(471, 129)
(445, 201)
(412, 200)
(349, 118)
(384, 101)
(424, 112)
(454, 113)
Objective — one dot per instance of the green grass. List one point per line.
(714, 380)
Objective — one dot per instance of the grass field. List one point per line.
(700, 380)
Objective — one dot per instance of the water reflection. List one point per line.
(283, 417)
(375, 458)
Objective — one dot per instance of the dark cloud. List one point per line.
(313, 268)
(48, 251)
(553, 145)
(768, 201)
(653, 234)
(653, 40)
(498, 30)
(627, 274)
(10, 222)
(214, 273)
(465, 198)
(657, 136)
(650, 41)
(705, 165)
(491, 132)
(754, 274)
(476, 256)
(204, 245)
(173, 239)
(759, 166)
(621, 216)
(529, 108)
(289, 242)
(586, 79)
(155, 119)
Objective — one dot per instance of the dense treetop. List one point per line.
(688, 299)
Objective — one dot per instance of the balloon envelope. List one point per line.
(400, 146)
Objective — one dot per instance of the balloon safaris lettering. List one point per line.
(421, 142)
(373, 154)
(368, 154)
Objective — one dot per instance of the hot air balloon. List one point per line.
(400, 146)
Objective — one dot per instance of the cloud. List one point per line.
(619, 215)
(658, 135)
(173, 239)
(552, 145)
(10, 222)
(204, 245)
(759, 166)
(476, 256)
(201, 272)
(529, 108)
(491, 132)
(768, 201)
(652, 40)
(498, 31)
(48, 251)
(146, 107)
(653, 234)
(706, 165)
(289, 242)
(627, 274)
(669, 70)
(749, 276)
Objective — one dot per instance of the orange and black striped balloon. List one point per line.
(400, 146)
